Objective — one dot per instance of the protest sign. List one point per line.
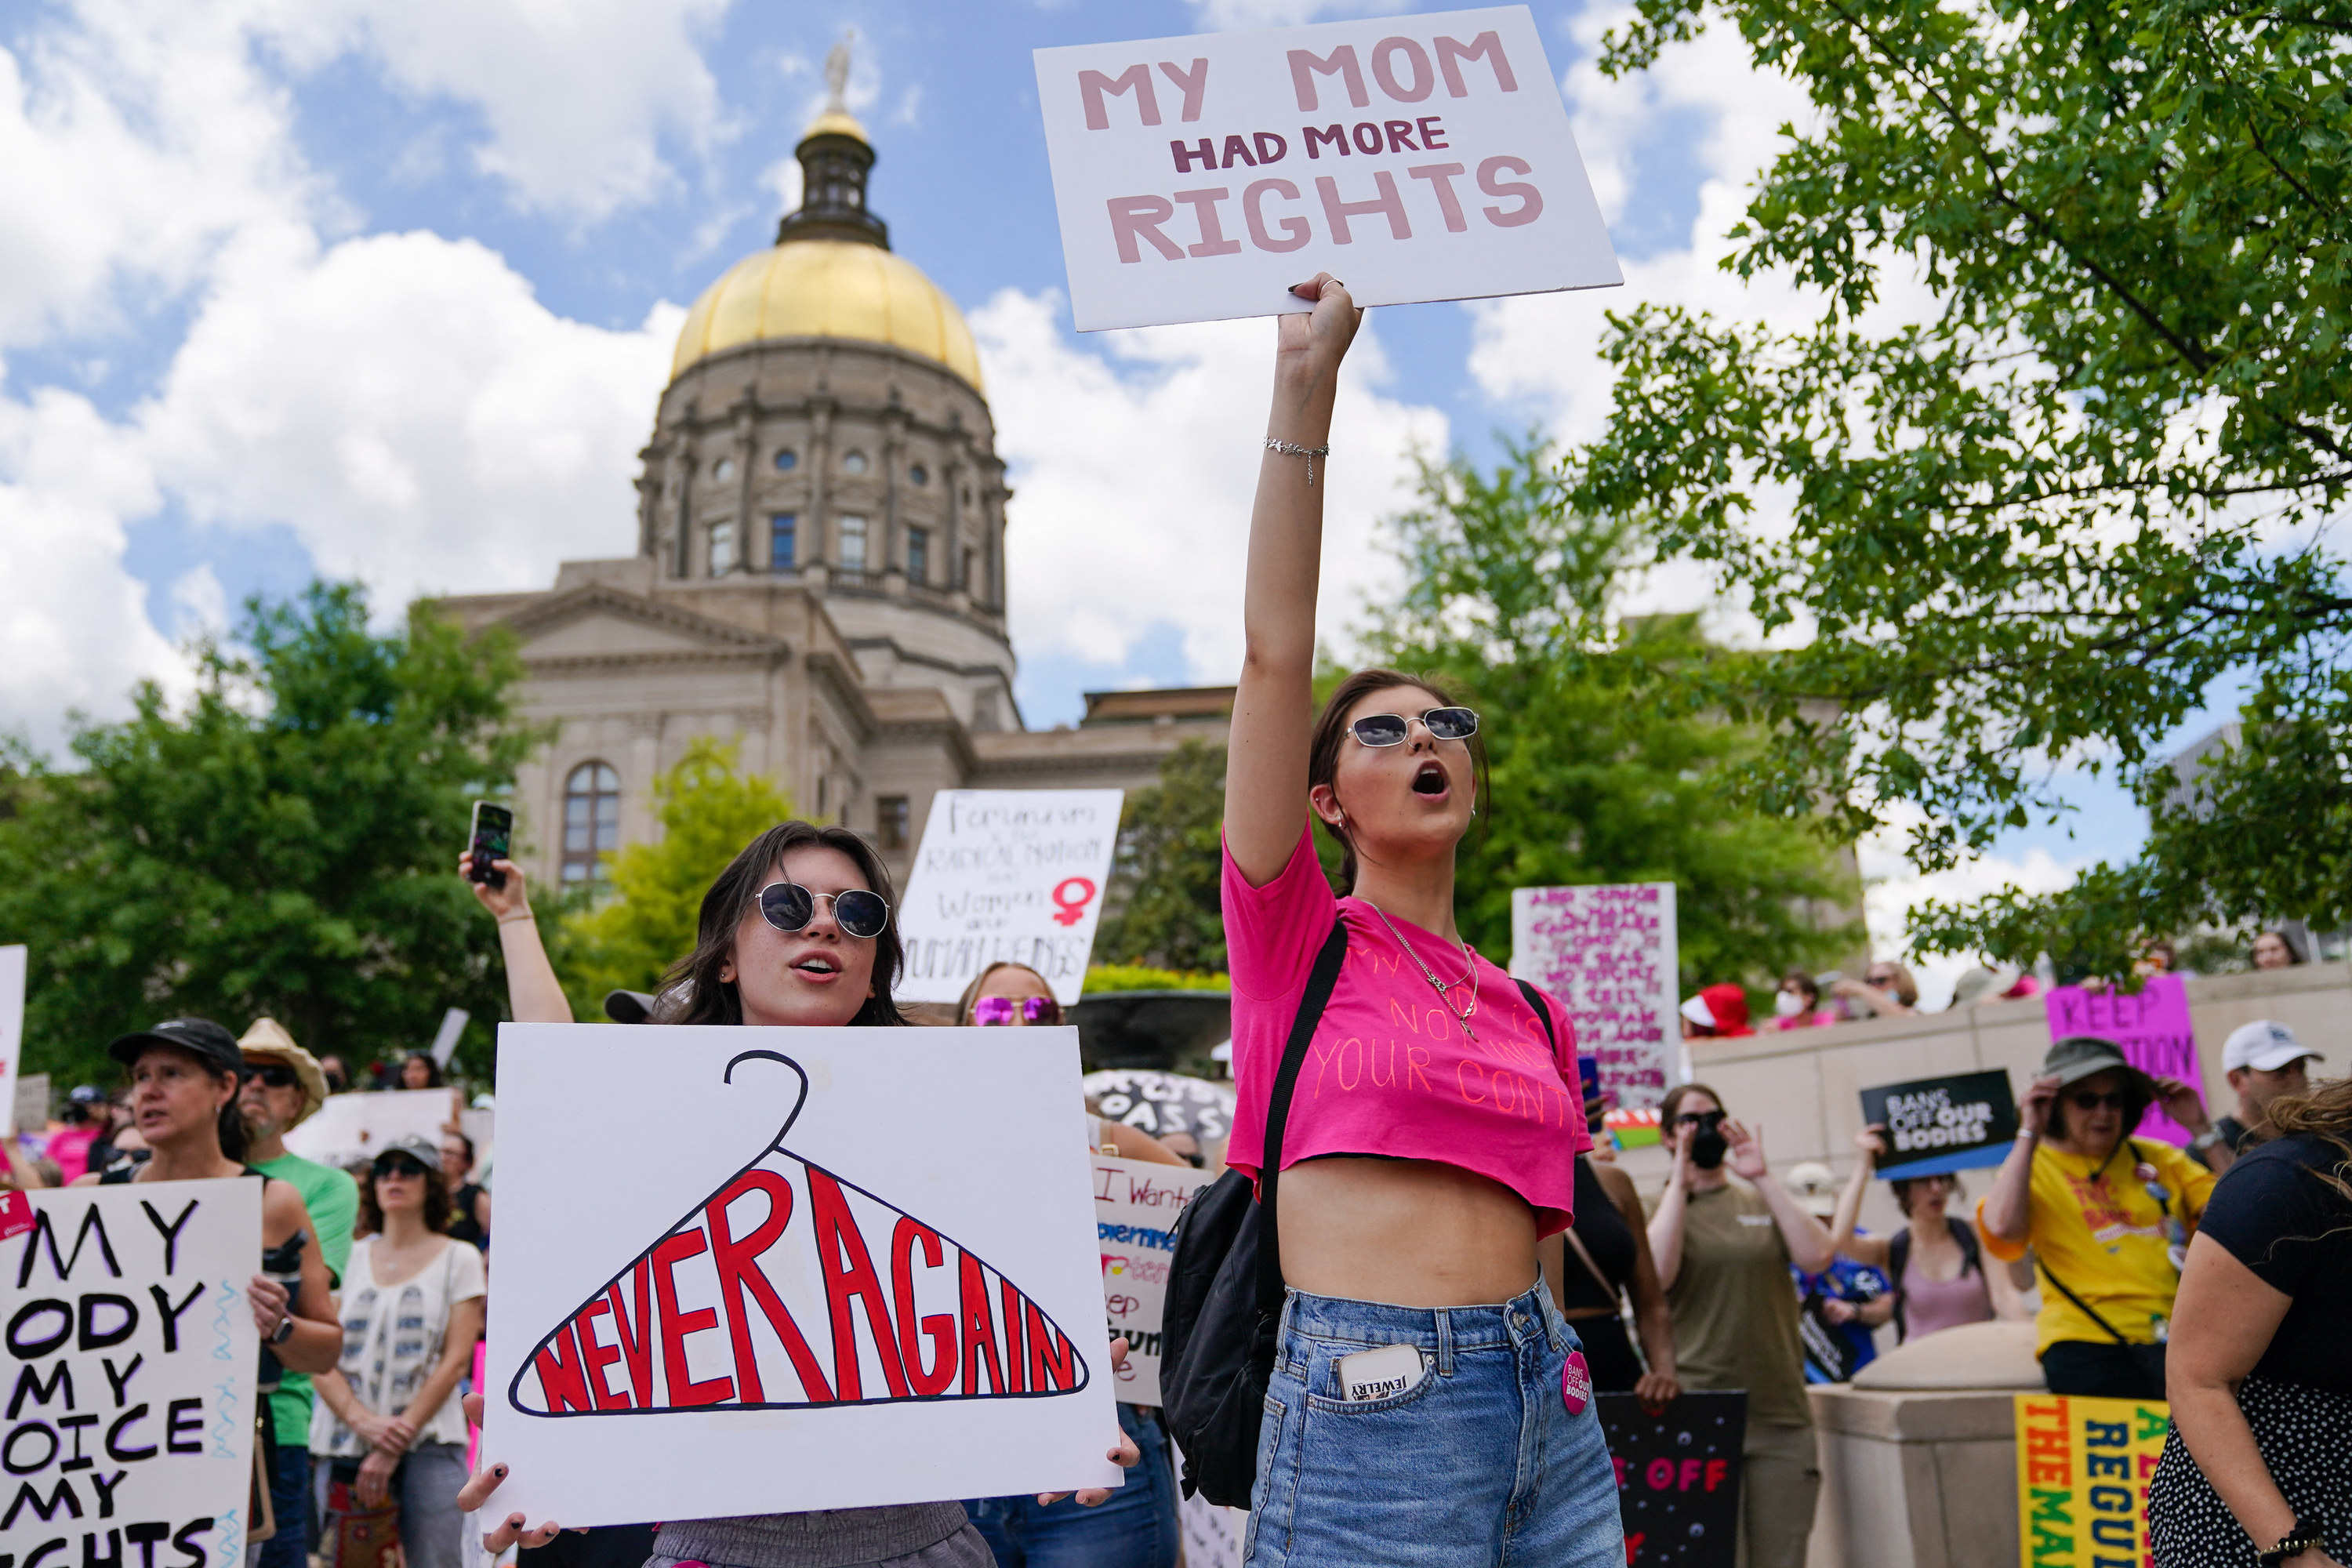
(2154, 1028)
(32, 1106)
(1213, 1534)
(351, 1127)
(1420, 157)
(1678, 1477)
(2083, 1470)
(786, 1310)
(12, 1030)
(1007, 874)
(1608, 952)
(1940, 1124)
(1157, 1103)
(1136, 1205)
(131, 1411)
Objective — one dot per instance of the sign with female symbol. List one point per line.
(1012, 875)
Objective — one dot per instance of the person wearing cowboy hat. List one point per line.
(2107, 1215)
(283, 1086)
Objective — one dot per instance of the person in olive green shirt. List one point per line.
(1724, 1248)
(283, 1086)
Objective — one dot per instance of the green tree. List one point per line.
(284, 842)
(2038, 525)
(1161, 908)
(1513, 603)
(625, 938)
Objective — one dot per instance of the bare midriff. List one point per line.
(1408, 1233)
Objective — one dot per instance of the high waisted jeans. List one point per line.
(1480, 1464)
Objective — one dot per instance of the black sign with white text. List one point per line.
(1940, 1124)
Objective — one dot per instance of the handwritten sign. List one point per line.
(1007, 874)
(1608, 952)
(1157, 1103)
(2083, 1470)
(1424, 157)
(2154, 1028)
(1678, 1477)
(131, 1376)
(1136, 1205)
(1940, 1125)
(12, 1033)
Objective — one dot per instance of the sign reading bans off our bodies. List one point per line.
(1417, 158)
(1007, 874)
(1940, 1125)
(132, 1363)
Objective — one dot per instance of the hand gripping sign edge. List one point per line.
(570, 1373)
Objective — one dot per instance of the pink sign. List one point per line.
(2154, 1028)
(1608, 952)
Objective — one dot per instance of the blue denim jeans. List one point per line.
(289, 1499)
(1480, 1464)
(1134, 1529)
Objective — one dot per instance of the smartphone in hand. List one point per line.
(493, 841)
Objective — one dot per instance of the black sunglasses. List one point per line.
(1699, 1118)
(277, 1075)
(2114, 1099)
(1391, 729)
(398, 1165)
(788, 906)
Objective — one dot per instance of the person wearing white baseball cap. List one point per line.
(2264, 1060)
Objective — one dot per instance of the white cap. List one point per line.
(2265, 1045)
(1699, 1012)
(1814, 1186)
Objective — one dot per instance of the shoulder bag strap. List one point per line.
(1319, 983)
(1583, 1253)
(1543, 1015)
(1899, 1263)
(1966, 1240)
(2085, 1307)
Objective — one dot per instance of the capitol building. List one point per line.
(820, 573)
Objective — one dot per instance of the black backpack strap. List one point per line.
(1899, 1262)
(1319, 983)
(1970, 1256)
(1543, 1015)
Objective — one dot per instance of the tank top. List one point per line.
(1931, 1304)
(1606, 1236)
(282, 1263)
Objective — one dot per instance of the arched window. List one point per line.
(592, 821)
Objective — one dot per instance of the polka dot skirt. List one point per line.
(2306, 1437)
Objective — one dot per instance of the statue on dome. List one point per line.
(836, 77)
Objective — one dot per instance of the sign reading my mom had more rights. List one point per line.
(1420, 157)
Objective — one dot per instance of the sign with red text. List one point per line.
(1136, 1205)
(1007, 875)
(2083, 1470)
(2155, 1029)
(790, 1309)
(1678, 1476)
(1608, 952)
(130, 1377)
(1424, 157)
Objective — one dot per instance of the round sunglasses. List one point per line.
(1391, 729)
(996, 1011)
(788, 906)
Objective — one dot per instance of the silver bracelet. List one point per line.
(1292, 449)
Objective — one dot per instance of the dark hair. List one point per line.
(2293, 954)
(235, 1137)
(692, 992)
(971, 997)
(468, 1142)
(1331, 729)
(432, 1068)
(1674, 1097)
(436, 1201)
(1805, 982)
(2138, 1091)
(1902, 1187)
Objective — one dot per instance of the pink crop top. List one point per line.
(1388, 1071)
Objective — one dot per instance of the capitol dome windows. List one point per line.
(920, 475)
(919, 554)
(853, 543)
(852, 463)
(787, 460)
(722, 549)
(723, 469)
(592, 821)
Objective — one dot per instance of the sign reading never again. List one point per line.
(1418, 158)
(1940, 1124)
(129, 1432)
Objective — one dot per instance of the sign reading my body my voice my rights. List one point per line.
(1007, 874)
(1420, 157)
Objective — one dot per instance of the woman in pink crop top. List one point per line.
(1433, 1130)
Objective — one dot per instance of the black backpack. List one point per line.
(1898, 1259)
(1223, 1305)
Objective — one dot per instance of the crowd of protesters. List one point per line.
(1510, 1255)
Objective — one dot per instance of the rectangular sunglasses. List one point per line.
(1391, 729)
(788, 906)
(991, 1011)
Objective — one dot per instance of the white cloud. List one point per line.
(1134, 465)
(1895, 889)
(201, 601)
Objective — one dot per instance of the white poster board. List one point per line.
(12, 1028)
(1212, 1536)
(1136, 1205)
(132, 1374)
(1423, 157)
(801, 1303)
(352, 1126)
(1159, 1102)
(1013, 874)
(1608, 952)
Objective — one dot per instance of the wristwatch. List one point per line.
(2212, 1137)
(2302, 1538)
(279, 1335)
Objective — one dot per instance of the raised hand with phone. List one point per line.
(500, 886)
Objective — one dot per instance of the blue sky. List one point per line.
(386, 289)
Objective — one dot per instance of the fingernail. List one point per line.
(500, 1472)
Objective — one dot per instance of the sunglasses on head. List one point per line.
(991, 1011)
(1702, 1119)
(2114, 1099)
(273, 1075)
(1391, 729)
(788, 906)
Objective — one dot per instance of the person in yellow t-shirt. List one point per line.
(2106, 1215)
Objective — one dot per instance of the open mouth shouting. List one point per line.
(1430, 779)
(821, 967)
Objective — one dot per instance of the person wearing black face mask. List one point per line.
(1724, 1247)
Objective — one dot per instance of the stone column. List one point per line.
(816, 528)
(894, 454)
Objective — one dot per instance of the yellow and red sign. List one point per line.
(2083, 1470)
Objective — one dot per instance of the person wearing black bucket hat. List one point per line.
(2107, 1215)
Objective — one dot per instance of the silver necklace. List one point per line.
(1442, 987)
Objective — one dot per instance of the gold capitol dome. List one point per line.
(831, 273)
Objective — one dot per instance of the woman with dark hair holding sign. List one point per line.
(797, 933)
(1935, 1261)
(1428, 1404)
